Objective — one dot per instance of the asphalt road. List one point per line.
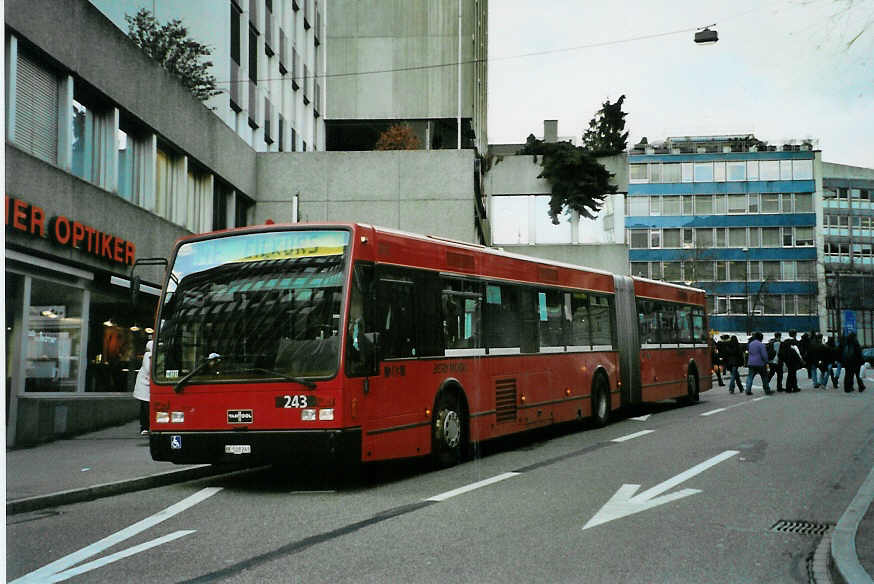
(714, 478)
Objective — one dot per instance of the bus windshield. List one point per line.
(253, 306)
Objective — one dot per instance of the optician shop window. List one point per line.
(60, 318)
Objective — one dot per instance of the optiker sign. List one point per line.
(26, 218)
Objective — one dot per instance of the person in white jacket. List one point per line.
(141, 389)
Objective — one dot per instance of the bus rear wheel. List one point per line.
(600, 402)
(448, 430)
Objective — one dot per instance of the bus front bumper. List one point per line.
(268, 446)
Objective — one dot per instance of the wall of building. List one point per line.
(403, 41)
(422, 192)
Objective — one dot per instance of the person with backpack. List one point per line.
(818, 356)
(775, 364)
(714, 361)
(852, 358)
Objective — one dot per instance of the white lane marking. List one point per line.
(632, 436)
(625, 502)
(472, 486)
(67, 574)
(716, 411)
(42, 574)
(737, 405)
(642, 418)
(760, 398)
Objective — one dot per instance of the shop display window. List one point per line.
(117, 335)
(54, 332)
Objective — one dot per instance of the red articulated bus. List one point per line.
(359, 343)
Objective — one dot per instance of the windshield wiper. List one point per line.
(305, 382)
(209, 361)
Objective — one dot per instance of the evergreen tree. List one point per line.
(605, 135)
(169, 45)
(579, 182)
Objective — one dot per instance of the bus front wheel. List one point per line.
(448, 431)
(600, 402)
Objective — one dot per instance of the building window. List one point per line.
(737, 204)
(510, 220)
(54, 334)
(703, 204)
(769, 170)
(804, 202)
(655, 173)
(785, 170)
(804, 236)
(638, 206)
(640, 269)
(704, 238)
(671, 238)
(737, 237)
(222, 195)
(719, 171)
(703, 172)
(672, 205)
(686, 171)
(752, 170)
(544, 230)
(672, 173)
(770, 203)
(36, 109)
(673, 272)
(802, 169)
(735, 170)
(639, 238)
(198, 206)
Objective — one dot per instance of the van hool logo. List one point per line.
(30, 219)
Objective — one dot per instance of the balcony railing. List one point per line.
(318, 26)
(306, 85)
(317, 100)
(268, 117)
(253, 15)
(306, 14)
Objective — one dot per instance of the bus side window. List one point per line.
(602, 320)
(647, 314)
(581, 333)
(684, 324)
(501, 314)
(396, 319)
(668, 324)
(360, 356)
(699, 334)
(462, 314)
(530, 320)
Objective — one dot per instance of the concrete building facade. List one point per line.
(736, 217)
(418, 62)
(848, 251)
(268, 59)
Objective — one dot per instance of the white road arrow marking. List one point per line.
(49, 570)
(642, 418)
(625, 502)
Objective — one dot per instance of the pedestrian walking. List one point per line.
(774, 361)
(818, 356)
(804, 347)
(141, 389)
(733, 360)
(757, 363)
(714, 360)
(834, 368)
(852, 358)
(790, 354)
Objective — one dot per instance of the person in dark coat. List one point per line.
(818, 356)
(733, 359)
(835, 364)
(852, 358)
(791, 356)
(776, 363)
(715, 361)
(804, 347)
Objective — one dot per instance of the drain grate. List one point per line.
(801, 527)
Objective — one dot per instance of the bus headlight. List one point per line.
(162, 417)
(326, 414)
(308, 415)
(177, 417)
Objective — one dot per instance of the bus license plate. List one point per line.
(238, 449)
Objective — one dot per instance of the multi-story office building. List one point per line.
(268, 60)
(417, 62)
(848, 252)
(733, 216)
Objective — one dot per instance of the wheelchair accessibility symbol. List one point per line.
(176, 442)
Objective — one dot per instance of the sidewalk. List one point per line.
(117, 460)
(107, 462)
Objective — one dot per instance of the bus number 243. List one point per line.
(295, 401)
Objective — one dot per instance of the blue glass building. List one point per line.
(735, 217)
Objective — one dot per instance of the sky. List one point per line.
(782, 69)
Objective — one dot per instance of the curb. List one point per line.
(843, 545)
(115, 488)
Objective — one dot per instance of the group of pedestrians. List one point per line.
(823, 360)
